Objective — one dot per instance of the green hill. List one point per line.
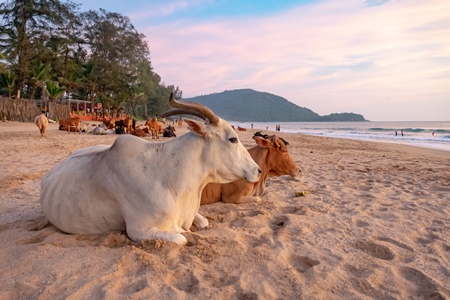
(247, 105)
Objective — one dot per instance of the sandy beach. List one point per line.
(375, 224)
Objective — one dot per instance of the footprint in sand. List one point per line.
(303, 263)
(302, 210)
(427, 238)
(184, 280)
(278, 222)
(360, 223)
(405, 256)
(425, 287)
(375, 250)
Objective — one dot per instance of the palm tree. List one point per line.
(3, 66)
(26, 21)
(90, 79)
(10, 80)
(72, 82)
(40, 75)
(54, 91)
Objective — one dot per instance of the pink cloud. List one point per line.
(281, 53)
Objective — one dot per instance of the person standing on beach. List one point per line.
(401, 131)
(396, 133)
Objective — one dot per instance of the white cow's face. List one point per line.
(225, 152)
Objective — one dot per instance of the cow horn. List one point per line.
(179, 111)
(200, 109)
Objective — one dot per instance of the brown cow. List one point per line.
(71, 122)
(241, 129)
(155, 127)
(111, 123)
(272, 156)
(41, 122)
(138, 132)
(128, 123)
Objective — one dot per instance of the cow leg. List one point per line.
(200, 221)
(154, 233)
(237, 192)
(247, 199)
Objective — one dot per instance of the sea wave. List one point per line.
(434, 135)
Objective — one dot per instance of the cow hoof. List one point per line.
(179, 239)
(200, 221)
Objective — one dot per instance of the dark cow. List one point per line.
(120, 127)
(169, 132)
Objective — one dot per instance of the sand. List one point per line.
(375, 224)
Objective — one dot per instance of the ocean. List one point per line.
(433, 135)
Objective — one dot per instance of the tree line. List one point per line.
(52, 51)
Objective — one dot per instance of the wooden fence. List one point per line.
(24, 110)
(58, 111)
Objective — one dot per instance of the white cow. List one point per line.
(99, 130)
(41, 122)
(151, 190)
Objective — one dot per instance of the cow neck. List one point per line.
(186, 148)
(260, 155)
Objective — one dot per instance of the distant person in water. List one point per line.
(401, 131)
(396, 133)
(432, 133)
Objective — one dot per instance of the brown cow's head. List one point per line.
(278, 160)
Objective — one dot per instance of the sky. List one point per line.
(385, 59)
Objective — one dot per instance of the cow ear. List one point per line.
(196, 126)
(262, 142)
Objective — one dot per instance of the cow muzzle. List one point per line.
(296, 172)
(254, 175)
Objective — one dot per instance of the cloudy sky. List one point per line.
(387, 60)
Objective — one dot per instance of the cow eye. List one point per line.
(233, 140)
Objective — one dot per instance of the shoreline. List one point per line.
(433, 135)
(14, 126)
(383, 142)
(374, 224)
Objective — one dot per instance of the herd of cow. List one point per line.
(127, 194)
(124, 125)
